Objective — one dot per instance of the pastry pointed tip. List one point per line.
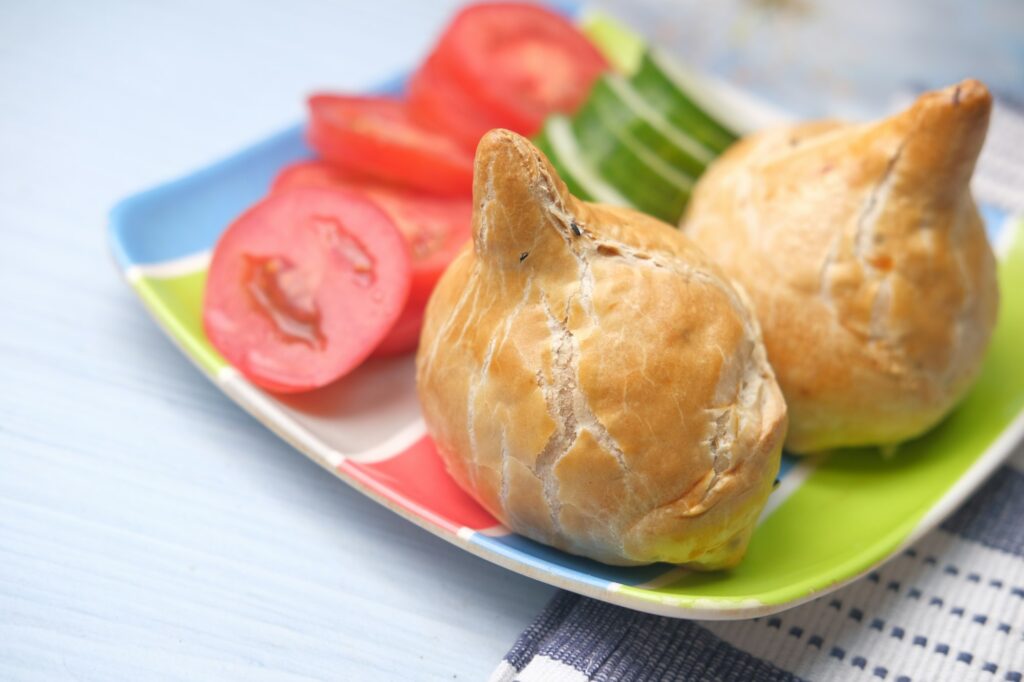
(945, 130)
(514, 190)
(500, 151)
(964, 105)
(495, 142)
(509, 165)
(498, 148)
(970, 92)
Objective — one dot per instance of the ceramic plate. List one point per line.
(830, 520)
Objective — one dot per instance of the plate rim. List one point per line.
(633, 597)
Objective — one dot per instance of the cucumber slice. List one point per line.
(544, 144)
(557, 141)
(622, 47)
(650, 183)
(625, 109)
(685, 100)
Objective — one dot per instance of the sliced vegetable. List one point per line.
(543, 143)
(305, 285)
(683, 99)
(641, 176)
(311, 174)
(435, 227)
(559, 143)
(440, 103)
(620, 45)
(376, 136)
(520, 61)
(339, 262)
(615, 101)
(618, 143)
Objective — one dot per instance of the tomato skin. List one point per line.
(519, 60)
(404, 337)
(435, 227)
(440, 103)
(310, 174)
(377, 137)
(303, 287)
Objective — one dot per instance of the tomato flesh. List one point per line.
(278, 288)
(520, 61)
(304, 286)
(377, 137)
(310, 174)
(440, 103)
(435, 227)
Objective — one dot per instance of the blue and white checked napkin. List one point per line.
(949, 608)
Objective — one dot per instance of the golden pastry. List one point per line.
(593, 380)
(867, 263)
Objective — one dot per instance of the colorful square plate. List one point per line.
(831, 520)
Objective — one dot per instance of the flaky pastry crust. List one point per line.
(867, 263)
(593, 380)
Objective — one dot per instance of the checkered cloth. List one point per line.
(949, 608)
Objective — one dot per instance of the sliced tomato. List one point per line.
(376, 136)
(310, 174)
(439, 102)
(305, 285)
(404, 337)
(435, 227)
(520, 61)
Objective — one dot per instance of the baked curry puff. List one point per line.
(867, 263)
(593, 379)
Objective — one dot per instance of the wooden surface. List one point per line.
(148, 528)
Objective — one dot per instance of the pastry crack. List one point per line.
(571, 410)
(496, 341)
(725, 421)
(864, 237)
(611, 248)
(560, 396)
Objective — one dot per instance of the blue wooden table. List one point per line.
(148, 528)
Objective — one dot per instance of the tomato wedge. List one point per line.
(520, 61)
(376, 136)
(304, 285)
(435, 227)
(440, 103)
